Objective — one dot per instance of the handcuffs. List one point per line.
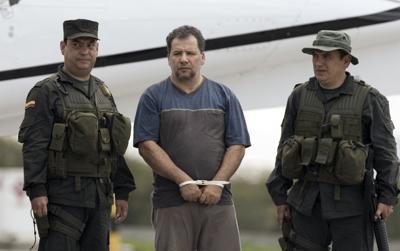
(219, 183)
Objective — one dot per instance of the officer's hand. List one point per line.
(282, 211)
(210, 195)
(383, 211)
(190, 192)
(39, 205)
(121, 210)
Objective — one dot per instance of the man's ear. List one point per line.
(347, 61)
(62, 46)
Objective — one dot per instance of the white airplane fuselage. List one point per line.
(260, 72)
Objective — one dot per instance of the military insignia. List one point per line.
(104, 89)
(30, 104)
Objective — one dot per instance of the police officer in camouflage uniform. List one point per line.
(73, 144)
(330, 125)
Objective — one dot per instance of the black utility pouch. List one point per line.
(43, 225)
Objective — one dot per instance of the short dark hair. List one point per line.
(184, 32)
(343, 53)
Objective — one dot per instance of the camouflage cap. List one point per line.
(80, 28)
(329, 40)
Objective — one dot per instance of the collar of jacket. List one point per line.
(63, 78)
(347, 88)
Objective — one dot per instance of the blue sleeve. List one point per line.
(147, 120)
(236, 129)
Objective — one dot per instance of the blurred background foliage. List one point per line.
(255, 209)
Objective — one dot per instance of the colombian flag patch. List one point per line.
(30, 104)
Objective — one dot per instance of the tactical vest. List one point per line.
(327, 147)
(92, 133)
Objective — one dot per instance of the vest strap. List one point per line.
(324, 150)
(308, 150)
(65, 229)
(66, 223)
(72, 220)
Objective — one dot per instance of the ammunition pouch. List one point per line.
(339, 157)
(350, 162)
(105, 140)
(293, 242)
(292, 166)
(308, 150)
(56, 161)
(336, 126)
(43, 225)
(120, 129)
(63, 161)
(83, 130)
(326, 152)
(338, 162)
(86, 146)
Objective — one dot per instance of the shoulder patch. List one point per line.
(30, 104)
(104, 89)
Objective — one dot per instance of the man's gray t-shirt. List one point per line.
(194, 129)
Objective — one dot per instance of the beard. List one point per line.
(185, 75)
